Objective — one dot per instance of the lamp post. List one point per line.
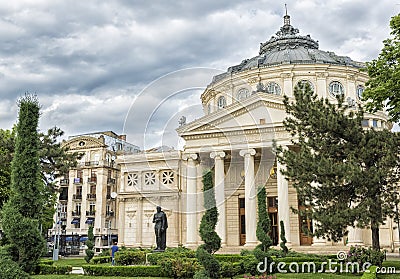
(56, 246)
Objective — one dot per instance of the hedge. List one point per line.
(128, 271)
(158, 258)
(46, 261)
(130, 257)
(53, 269)
(101, 259)
(233, 258)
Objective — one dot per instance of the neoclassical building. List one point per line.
(243, 115)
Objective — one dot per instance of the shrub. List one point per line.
(249, 264)
(54, 269)
(228, 258)
(180, 267)
(102, 259)
(157, 258)
(10, 269)
(363, 255)
(230, 269)
(127, 271)
(130, 257)
(46, 261)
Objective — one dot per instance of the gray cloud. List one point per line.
(88, 60)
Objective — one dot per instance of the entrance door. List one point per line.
(306, 227)
(273, 217)
(242, 222)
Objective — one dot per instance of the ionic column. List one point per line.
(283, 201)
(219, 189)
(250, 197)
(191, 198)
(121, 221)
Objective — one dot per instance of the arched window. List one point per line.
(302, 84)
(336, 88)
(273, 88)
(360, 91)
(243, 93)
(221, 102)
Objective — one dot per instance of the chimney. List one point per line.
(122, 137)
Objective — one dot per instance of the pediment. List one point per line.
(253, 113)
(84, 142)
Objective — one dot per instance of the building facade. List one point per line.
(88, 192)
(243, 116)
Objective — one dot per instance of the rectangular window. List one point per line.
(78, 208)
(365, 123)
(375, 123)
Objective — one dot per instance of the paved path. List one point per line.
(77, 270)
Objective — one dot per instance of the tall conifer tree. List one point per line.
(348, 175)
(21, 213)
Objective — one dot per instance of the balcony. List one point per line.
(76, 213)
(90, 213)
(110, 213)
(63, 215)
(77, 197)
(78, 180)
(92, 163)
(92, 179)
(91, 196)
(64, 182)
(111, 181)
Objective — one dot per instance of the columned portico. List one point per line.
(220, 193)
(191, 198)
(250, 196)
(283, 201)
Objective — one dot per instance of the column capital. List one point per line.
(189, 156)
(217, 154)
(247, 152)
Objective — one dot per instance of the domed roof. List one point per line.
(288, 47)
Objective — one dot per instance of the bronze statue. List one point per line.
(160, 229)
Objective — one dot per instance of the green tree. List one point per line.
(90, 245)
(212, 242)
(7, 142)
(347, 174)
(383, 85)
(55, 161)
(21, 213)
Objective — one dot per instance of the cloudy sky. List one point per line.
(136, 67)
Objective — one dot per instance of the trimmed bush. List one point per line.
(158, 258)
(10, 269)
(180, 267)
(130, 257)
(230, 269)
(363, 255)
(53, 269)
(128, 271)
(46, 261)
(102, 259)
(228, 258)
(249, 264)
